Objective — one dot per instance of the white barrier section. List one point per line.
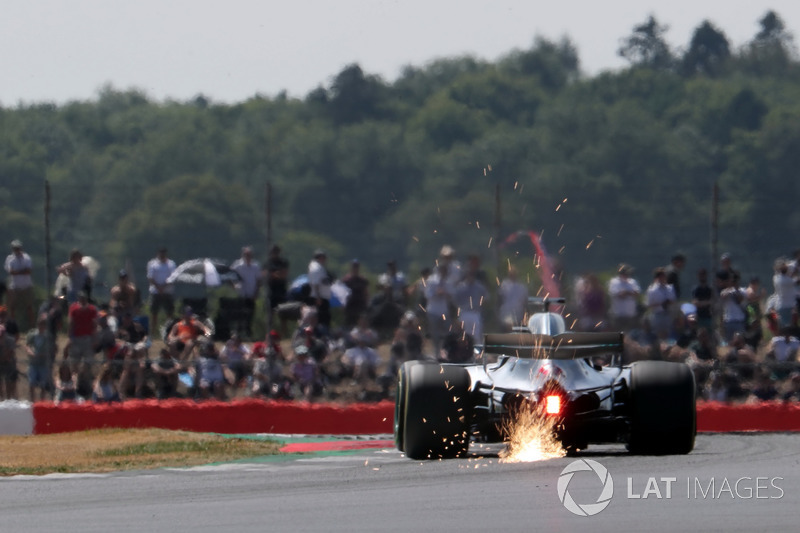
(16, 418)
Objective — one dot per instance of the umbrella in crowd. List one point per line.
(204, 271)
(62, 284)
(339, 291)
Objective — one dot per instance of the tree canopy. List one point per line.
(615, 167)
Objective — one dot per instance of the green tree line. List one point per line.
(614, 167)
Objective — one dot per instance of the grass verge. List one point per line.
(110, 450)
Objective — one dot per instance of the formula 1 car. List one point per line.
(648, 405)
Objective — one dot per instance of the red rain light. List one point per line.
(552, 404)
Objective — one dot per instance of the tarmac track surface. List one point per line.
(381, 490)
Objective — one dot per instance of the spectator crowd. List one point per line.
(345, 337)
(740, 340)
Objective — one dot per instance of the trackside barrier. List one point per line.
(237, 416)
(256, 416)
(762, 416)
(16, 418)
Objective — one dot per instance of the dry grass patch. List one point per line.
(110, 450)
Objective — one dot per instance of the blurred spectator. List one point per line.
(159, 269)
(41, 355)
(447, 257)
(733, 314)
(165, 371)
(66, 384)
(753, 321)
(792, 391)
(52, 310)
(469, 298)
(591, 304)
(19, 267)
(363, 333)
(133, 334)
(703, 301)
(717, 388)
(660, 303)
(358, 301)
(688, 333)
(105, 339)
(396, 280)
(10, 325)
(8, 366)
(407, 341)
(735, 391)
(185, 333)
(384, 312)
(513, 295)
(439, 293)
(764, 388)
(249, 285)
(268, 378)
(105, 390)
(624, 293)
(125, 297)
(310, 334)
(320, 281)
(361, 360)
(474, 265)
(673, 271)
(132, 331)
(306, 373)
(277, 277)
(704, 347)
(703, 356)
(236, 357)
(80, 281)
(406, 344)
(782, 349)
(262, 377)
(725, 272)
(133, 365)
(83, 324)
(785, 295)
(741, 357)
(457, 346)
(416, 292)
(210, 373)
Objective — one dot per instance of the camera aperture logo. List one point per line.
(585, 509)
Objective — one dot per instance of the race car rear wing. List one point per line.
(562, 346)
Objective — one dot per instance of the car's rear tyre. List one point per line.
(437, 412)
(400, 403)
(663, 410)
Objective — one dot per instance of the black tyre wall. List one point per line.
(663, 411)
(437, 411)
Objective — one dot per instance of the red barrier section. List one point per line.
(238, 416)
(256, 416)
(765, 416)
(335, 446)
